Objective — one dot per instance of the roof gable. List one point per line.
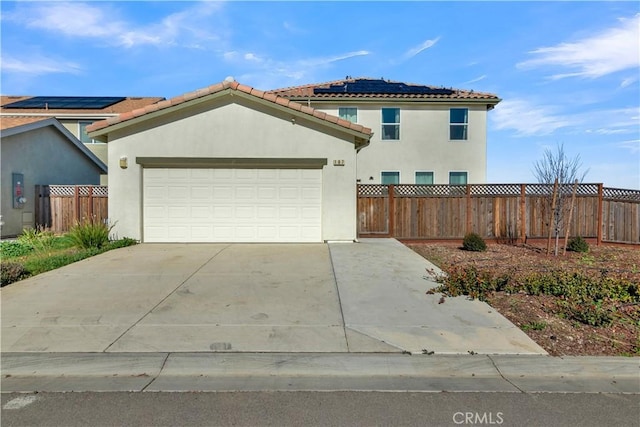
(101, 128)
(367, 88)
(45, 122)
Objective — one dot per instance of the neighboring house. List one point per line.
(422, 134)
(38, 151)
(230, 163)
(74, 112)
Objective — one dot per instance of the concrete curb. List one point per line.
(59, 372)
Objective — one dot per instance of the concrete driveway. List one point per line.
(337, 297)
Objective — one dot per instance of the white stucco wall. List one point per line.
(45, 157)
(242, 128)
(424, 143)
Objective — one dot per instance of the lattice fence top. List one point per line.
(373, 190)
(83, 190)
(429, 190)
(498, 190)
(563, 189)
(621, 194)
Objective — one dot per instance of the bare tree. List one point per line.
(556, 166)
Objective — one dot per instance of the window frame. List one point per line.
(383, 124)
(348, 108)
(415, 176)
(466, 174)
(464, 125)
(390, 171)
(86, 123)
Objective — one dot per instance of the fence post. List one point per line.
(468, 208)
(90, 207)
(392, 211)
(523, 213)
(76, 201)
(600, 214)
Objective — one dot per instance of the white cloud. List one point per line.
(632, 145)
(38, 65)
(477, 79)
(420, 48)
(528, 119)
(628, 82)
(612, 50)
(268, 73)
(102, 22)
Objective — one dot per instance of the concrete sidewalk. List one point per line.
(59, 372)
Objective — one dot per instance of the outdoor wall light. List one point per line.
(124, 162)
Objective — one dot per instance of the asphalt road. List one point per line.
(319, 409)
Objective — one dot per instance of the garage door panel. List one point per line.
(232, 205)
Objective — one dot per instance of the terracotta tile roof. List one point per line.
(220, 87)
(8, 122)
(128, 104)
(352, 88)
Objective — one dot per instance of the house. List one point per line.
(36, 150)
(74, 112)
(229, 163)
(422, 134)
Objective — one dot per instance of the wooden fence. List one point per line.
(514, 212)
(59, 207)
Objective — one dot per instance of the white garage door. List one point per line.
(232, 205)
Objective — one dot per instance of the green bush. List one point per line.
(121, 243)
(11, 272)
(473, 242)
(14, 249)
(91, 233)
(39, 238)
(578, 244)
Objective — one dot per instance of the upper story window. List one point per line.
(457, 178)
(348, 113)
(391, 123)
(84, 137)
(458, 123)
(424, 177)
(388, 177)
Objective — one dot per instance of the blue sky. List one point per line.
(568, 72)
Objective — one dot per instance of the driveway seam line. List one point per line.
(503, 377)
(164, 362)
(335, 280)
(165, 298)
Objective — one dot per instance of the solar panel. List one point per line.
(67, 102)
(365, 86)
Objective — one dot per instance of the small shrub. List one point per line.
(578, 244)
(122, 243)
(14, 249)
(91, 233)
(473, 242)
(469, 281)
(39, 238)
(11, 272)
(534, 326)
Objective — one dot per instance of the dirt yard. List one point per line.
(539, 316)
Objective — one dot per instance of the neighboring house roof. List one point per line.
(367, 88)
(97, 128)
(122, 105)
(7, 122)
(44, 122)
